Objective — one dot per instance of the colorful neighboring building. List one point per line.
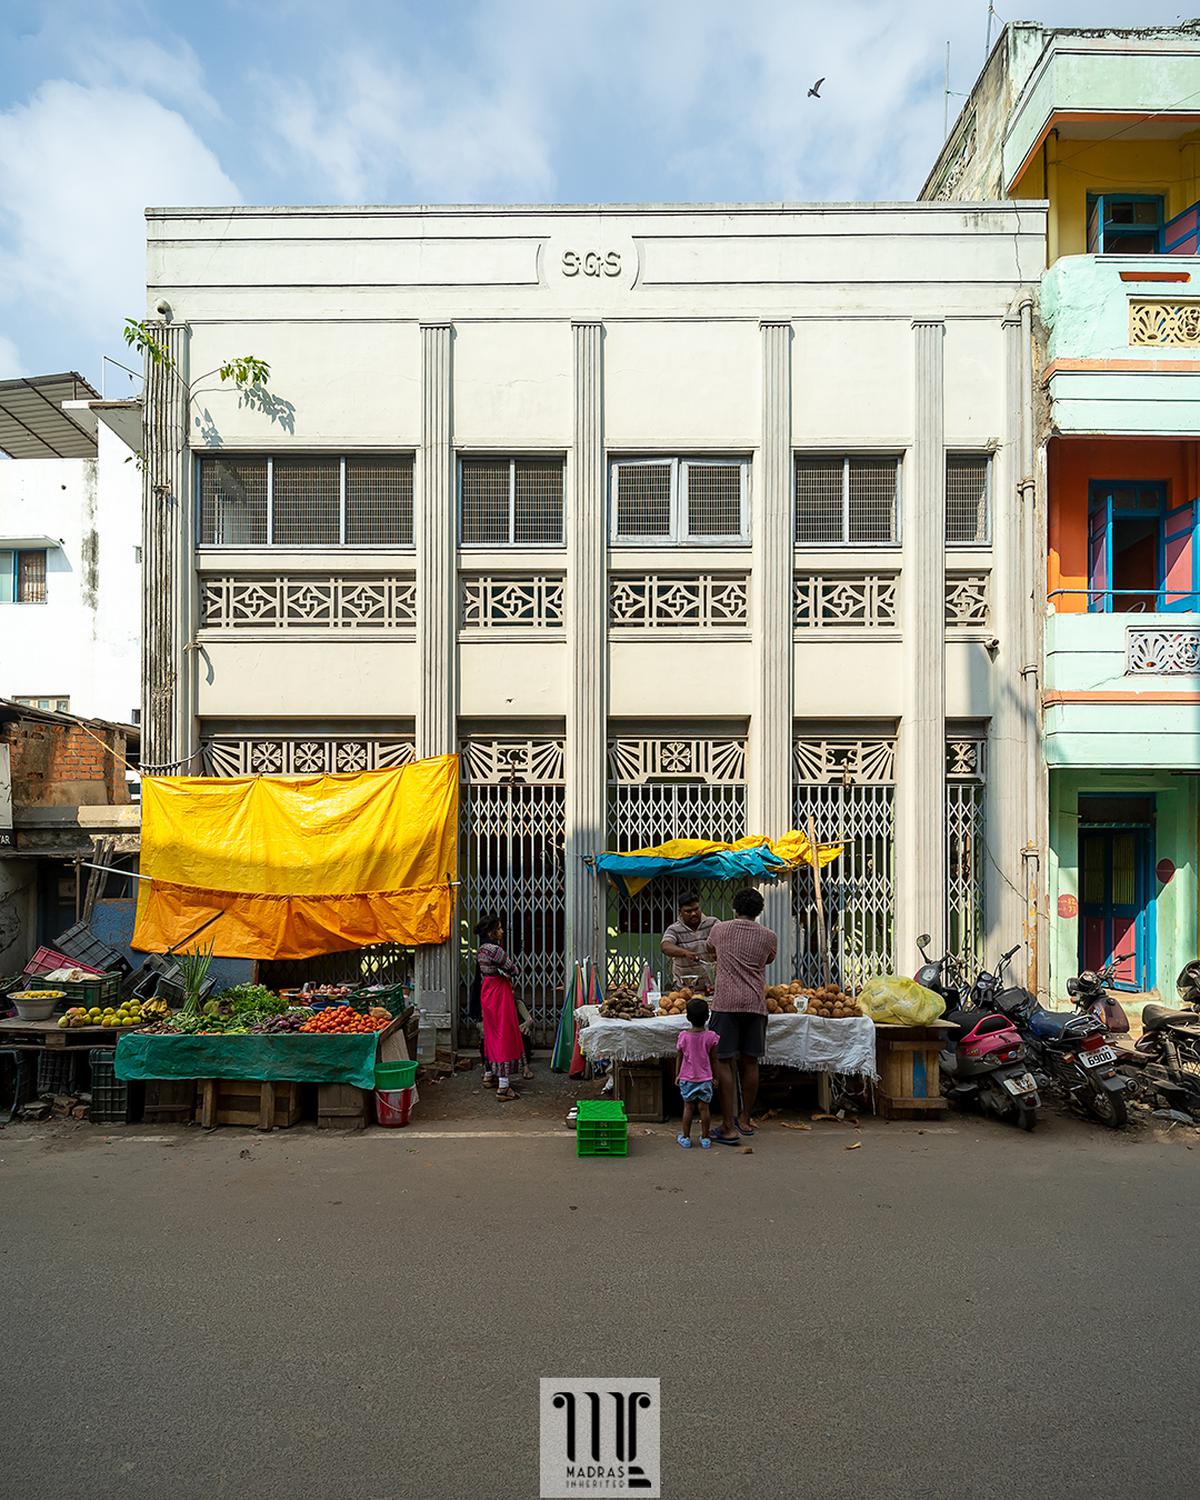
(1105, 126)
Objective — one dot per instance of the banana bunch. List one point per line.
(155, 1010)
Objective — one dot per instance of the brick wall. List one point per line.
(63, 765)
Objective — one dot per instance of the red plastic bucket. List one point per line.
(393, 1106)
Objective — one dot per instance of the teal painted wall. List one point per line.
(1178, 807)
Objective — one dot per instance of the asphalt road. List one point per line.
(962, 1312)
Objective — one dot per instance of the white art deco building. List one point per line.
(674, 521)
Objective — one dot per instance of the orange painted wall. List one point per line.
(1072, 463)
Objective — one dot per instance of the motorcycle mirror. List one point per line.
(923, 940)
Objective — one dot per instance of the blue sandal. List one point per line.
(684, 1140)
(726, 1140)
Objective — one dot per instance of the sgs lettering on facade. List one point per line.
(591, 263)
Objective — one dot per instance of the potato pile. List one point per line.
(622, 1004)
(675, 1002)
(832, 1001)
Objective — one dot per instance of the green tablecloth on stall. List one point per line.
(288, 1057)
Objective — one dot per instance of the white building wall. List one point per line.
(82, 643)
(684, 301)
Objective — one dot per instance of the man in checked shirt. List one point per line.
(743, 948)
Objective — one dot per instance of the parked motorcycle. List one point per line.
(1091, 990)
(1167, 1054)
(983, 1064)
(1071, 1051)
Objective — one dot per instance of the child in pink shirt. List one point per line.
(694, 1070)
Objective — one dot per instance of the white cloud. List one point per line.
(78, 165)
(11, 364)
(371, 129)
(171, 73)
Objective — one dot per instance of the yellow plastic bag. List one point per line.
(892, 1000)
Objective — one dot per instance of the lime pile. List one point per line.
(128, 1013)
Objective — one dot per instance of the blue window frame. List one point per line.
(1142, 551)
(1125, 223)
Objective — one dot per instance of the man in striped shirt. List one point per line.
(743, 949)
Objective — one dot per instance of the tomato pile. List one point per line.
(344, 1018)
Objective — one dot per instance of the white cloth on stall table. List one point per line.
(811, 1044)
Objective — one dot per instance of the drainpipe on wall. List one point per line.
(1031, 859)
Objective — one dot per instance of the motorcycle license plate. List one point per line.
(1101, 1055)
(1023, 1083)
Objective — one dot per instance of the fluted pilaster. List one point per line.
(921, 794)
(588, 632)
(771, 727)
(168, 549)
(435, 535)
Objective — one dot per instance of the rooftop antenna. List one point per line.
(991, 14)
(946, 97)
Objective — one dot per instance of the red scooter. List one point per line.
(983, 1065)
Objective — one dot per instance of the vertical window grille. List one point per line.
(679, 499)
(847, 788)
(306, 502)
(965, 847)
(642, 500)
(379, 501)
(643, 810)
(846, 501)
(510, 502)
(233, 502)
(968, 499)
(31, 578)
(512, 836)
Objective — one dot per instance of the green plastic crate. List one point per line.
(102, 990)
(601, 1128)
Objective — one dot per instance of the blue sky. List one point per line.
(106, 107)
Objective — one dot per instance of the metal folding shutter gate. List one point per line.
(512, 829)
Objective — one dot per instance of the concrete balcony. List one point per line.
(1123, 345)
(1123, 691)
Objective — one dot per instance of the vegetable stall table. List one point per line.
(36, 1035)
(809, 1044)
(224, 1066)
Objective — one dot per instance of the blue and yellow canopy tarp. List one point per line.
(754, 858)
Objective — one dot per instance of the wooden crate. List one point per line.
(169, 1101)
(639, 1087)
(238, 1101)
(342, 1106)
(909, 1084)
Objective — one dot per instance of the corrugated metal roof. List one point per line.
(33, 423)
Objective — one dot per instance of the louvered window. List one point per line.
(968, 499)
(511, 502)
(847, 501)
(297, 501)
(680, 500)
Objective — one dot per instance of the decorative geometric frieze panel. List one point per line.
(848, 762)
(1175, 323)
(964, 759)
(1163, 652)
(845, 601)
(525, 601)
(966, 600)
(634, 761)
(308, 601)
(503, 760)
(302, 755)
(665, 601)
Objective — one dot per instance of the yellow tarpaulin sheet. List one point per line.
(299, 865)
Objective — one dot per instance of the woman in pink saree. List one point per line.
(503, 1044)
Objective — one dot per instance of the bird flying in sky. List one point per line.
(815, 91)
